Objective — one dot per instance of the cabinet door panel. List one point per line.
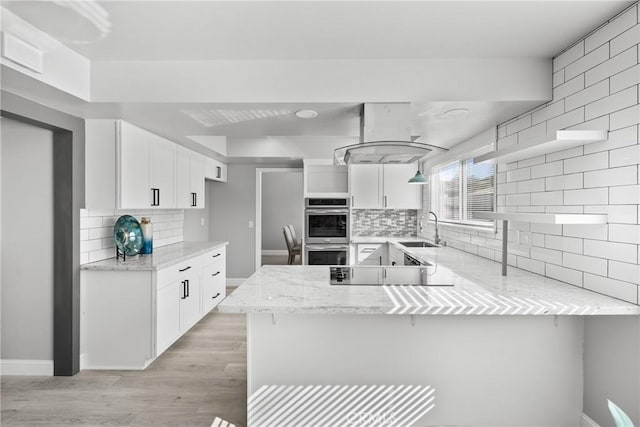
(366, 188)
(163, 171)
(183, 178)
(133, 179)
(167, 317)
(197, 179)
(399, 194)
(189, 300)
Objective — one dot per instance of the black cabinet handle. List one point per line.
(187, 287)
(215, 274)
(184, 289)
(155, 197)
(216, 295)
(194, 199)
(216, 255)
(218, 172)
(185, 269)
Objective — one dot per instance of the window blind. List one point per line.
(448, 192)
(479, 188)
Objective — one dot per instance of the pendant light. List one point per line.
(418, 178)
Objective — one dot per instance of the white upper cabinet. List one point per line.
(366, 186)
(189, 179)
(324, 179)
(162, 173)
(398, 193)
(384, 186)
(134, 189)
(215, 170)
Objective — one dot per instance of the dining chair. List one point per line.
(291, 246)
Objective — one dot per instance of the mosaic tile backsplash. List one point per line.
(384, 222)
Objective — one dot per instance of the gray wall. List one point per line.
(196, 221)
(282, 203)
(68, 171)
(233, 205)
(27, 241)
(612, 367)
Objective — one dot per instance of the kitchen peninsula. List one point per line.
(494, 350)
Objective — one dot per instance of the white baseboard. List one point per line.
(83, 361)
(235, 282)
(275, 252)
(26, 367)
(585, 421)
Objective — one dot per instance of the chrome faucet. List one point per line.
(436, 240)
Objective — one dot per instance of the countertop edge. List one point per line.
(199, 248)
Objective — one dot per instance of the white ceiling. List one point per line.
(316, 31)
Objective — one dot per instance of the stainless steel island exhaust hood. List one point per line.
(385, 137)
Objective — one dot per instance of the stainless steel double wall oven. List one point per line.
(327, 231)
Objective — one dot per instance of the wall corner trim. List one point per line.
(585, 421)
(26, 367)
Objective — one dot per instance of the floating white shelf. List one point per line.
(550, 143)
(545, 218)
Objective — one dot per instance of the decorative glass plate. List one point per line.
(127, 234)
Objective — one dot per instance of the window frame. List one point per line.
(463, 192)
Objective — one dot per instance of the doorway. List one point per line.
(27, 249)
(279, 202)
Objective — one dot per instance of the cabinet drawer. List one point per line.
(213, 257)
(172, 274)
(213, 286)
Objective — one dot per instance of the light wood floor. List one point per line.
(202, 376)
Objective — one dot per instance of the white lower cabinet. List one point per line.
(396, 256)
(131, 317)
(372, 254)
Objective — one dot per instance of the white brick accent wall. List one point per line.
(96, 230)
(596, 85)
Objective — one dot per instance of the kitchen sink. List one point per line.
(416, 244)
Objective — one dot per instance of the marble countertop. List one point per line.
(164, 256)
(478, 288)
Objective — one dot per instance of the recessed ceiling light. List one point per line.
(455, 112)
(306, 114)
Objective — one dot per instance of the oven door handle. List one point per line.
(324, 248)
(327, 211)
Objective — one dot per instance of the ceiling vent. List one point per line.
(385, 137)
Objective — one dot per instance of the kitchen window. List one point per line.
(461, 188)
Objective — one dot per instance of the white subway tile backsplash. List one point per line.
(572, 209)
(628, 194)
(518, 199)
(508, 188)
(555, 229)
(625, 156)
(535, 132)
(558, 78)
(547, 198)
(565, 244)
(546, 255)
(592, 196)
(530, 265)
(564, 274)
(564, 182)
(517, 125)
(626, 233)
(624, 41)
(625, 79)
(585, 263)
(616, 214)
(90, 245)
(612, 29)
(595, 232)
(97, 233)
(588, 61)
(611, 250)
(616, 64)
(618, 138)
(587, 163)
(624, 271)
(550, 111)
(547, 169)
(615, 288)
(570, 55)
(626, 175)
(565, 154)
(623, 118)
(566, 120)
(587, 96)
(569, 87)
(518, 174)
(90, 222)
(611, 103)
(530, 186)
(531, 161)
(507, 141)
